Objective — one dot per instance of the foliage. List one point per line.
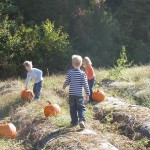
(91, 28)
(134, 23)
(42, 44)
(94, 28)
(7, 8)
(94, 35)
(122, 63)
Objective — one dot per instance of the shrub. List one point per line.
(122, 63)
(46, 46)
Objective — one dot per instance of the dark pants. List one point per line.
(91, 85)
(77, 109)
(37, 88)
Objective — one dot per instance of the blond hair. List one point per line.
(27, 63)
(76, 60)
(87, 61)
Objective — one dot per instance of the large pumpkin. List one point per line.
(98, 95)
(8, 130)
(52, 110)
(26, 95)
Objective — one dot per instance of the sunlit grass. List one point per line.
(13, 108)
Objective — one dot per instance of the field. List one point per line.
(132, 84)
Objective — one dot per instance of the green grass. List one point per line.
(3, 144)
(132, 80)
(12, 108)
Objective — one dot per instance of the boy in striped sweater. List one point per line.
(77, 79)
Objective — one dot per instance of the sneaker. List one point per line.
(72, 124)
(36, 100)
(82, 125)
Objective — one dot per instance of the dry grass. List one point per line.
(29, 116)
(132, 80)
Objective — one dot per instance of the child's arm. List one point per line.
(67, 81)
(85, 85)
(91, 73)
(27, 80)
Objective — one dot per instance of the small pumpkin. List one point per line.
(7, 130)
(98, 95)
(26, 94)
(52, 110)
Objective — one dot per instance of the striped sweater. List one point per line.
(77, 80)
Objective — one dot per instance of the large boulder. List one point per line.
(74, 139)
(131, 118)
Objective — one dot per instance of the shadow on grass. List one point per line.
(5, 111)
(143, 102)
(42, 143)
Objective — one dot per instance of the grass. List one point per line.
(28, 116)
(132, 80)
(3, 143)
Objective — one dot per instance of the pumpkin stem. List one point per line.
(49, 102)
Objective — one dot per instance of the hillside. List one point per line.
(121, 122)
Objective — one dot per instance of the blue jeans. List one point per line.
(77, 109)
(91, 85)
(37, 88)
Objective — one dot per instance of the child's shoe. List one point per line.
(36, 100)
(73, 124)
(82, 125)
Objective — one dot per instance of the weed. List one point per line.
(122, 63)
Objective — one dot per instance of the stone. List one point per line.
(121, 84)
(144, 129)
(88, 131)
(130, 117)
(140, 93)
(107, 146)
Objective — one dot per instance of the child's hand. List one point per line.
(87, 97)
(62, 92)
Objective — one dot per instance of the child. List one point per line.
(77, 79)
(87, 64)
(36, 75)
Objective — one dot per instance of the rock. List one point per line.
(110, 102)
(87, 131)
(106, 82)
(74, 139)
(8, 88)
(107, 146)
(121, 84)
(130, 118)
(144, 129)
(11, 85)
(141, 93)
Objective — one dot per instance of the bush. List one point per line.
(48, 48)
(121, 64)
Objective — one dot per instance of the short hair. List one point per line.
(87, 61)
(76, 60)
(27, 63)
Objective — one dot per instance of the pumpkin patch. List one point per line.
(26, 95)
(7, 130)
(98, 95)
(52, 110)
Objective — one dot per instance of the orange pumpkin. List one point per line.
(98, 95)
(8, 130)
(52, 110)
(26, 95)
